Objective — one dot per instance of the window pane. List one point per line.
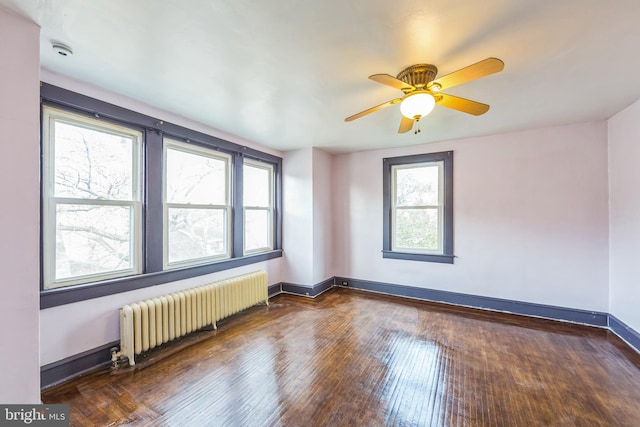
(91, 164)
(256, 186)
(92, 239)
(417, 186)
(196, 233)
(256, 229)
(195, 179)
(417, 229)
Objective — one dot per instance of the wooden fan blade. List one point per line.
(388, 80)
(472, 72)
(461, 104)
(372, 110)
(405, 125)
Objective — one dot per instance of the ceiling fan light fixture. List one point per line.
(417, 105)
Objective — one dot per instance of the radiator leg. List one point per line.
(115, 357)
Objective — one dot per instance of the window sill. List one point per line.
(60, 296)
(444, 259)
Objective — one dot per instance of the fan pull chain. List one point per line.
(417, 127)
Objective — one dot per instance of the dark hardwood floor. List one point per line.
(351, 358)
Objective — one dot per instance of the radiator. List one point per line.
(155, 321)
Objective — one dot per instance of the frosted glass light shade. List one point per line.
(417, 105)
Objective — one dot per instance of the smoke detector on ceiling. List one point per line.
(62, 49)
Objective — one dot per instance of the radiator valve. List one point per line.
(117, 358)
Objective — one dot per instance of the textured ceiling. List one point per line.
(285, 73)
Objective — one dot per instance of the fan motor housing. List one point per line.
(418, 75)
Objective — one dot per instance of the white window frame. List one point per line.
(173, 144)
(439, 207)
(269, 209)
(50, 116)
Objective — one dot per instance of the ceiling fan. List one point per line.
(422, 91)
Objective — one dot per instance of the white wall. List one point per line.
(530, 218)
(307, 229)
(624, 215)
(74, 328)
(20, 195)
(323, 237)
(297, 225)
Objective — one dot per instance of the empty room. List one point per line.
(288, 213)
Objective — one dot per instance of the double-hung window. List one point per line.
(91, 204)
(258, 201)
(197, 204)
(131, 201)
(418, 206)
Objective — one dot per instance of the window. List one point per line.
(197, 206)
(418, 207)
(130, 201)
(92, 208)
(258, 206)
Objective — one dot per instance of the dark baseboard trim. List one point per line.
(306, 290)
(76, 365)
(98, 358)
(591, 318)
(625, 332)
(274, 290)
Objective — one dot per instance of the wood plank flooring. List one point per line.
(351, 358)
